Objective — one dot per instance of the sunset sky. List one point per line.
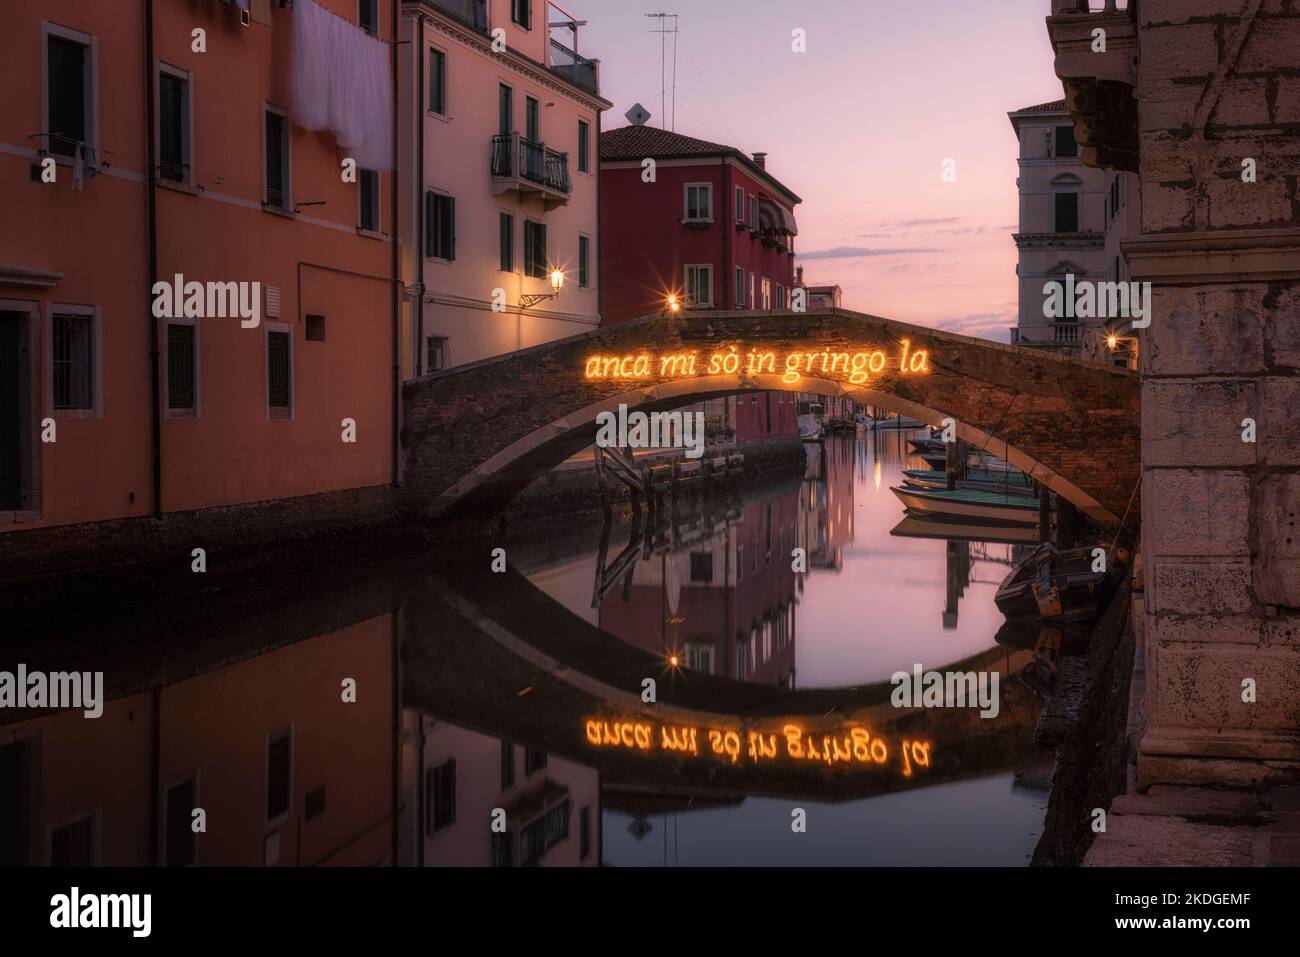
(859, 127)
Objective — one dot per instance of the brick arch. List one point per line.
(476, 434)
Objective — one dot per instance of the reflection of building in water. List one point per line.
(285, 771)
(725, 604)
(552, 806)
(826, 505)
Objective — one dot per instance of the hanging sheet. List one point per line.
(341, 82)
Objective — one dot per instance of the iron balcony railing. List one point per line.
(579, 71)
(514, 156)
(472, 13)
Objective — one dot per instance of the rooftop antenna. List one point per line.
(663, 61)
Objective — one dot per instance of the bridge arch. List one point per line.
(476, 434)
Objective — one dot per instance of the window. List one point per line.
(584, 149)
(767, 293)
(74, 361)
(507, 764)
(435, 353)
(535, 260)
(740, 204)
(521, 12)
(279, 776)
(1066, 212)
(740, 657)
(277, 159)
(173, 125)
(1063, 144)
(368, 15)
(701, 566)
(73, 844)
(752, 300)
(439, 226)
(584, 833)
(780, 296)
(180, 836)
(507, 242)
(584, 254)
(740, 562)
(740, 288)
(368, 186)
(440, 797)
(699, 657)
(533, 761)
(437, 82)
(699, 285)
(753, 212)
(505, 110)
(315, 329)
(753, 564)
(279, 384)
(68, 93)
(180, 367)
(699, 203)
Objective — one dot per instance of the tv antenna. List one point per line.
(664, 31)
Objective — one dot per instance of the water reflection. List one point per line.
(498, 719)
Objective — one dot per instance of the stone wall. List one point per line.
(1219, 84)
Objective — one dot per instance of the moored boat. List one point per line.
(950, 528)
(937, 478)
(1057, 585)
(970, 503)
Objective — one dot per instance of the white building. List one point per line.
(1063, 218)
(503, 149)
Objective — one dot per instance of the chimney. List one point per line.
(760, 160)
(798, 277)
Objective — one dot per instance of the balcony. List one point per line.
(1099, 85)
(1064, 337)
(472, 13)
(530, 169)
(579, 71)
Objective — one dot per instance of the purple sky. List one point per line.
(859, 126)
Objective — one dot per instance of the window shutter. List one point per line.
(429, 211)
(450, 204)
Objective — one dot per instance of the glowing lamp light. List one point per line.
(672, 660)
(1112, 341)
(674, 305)
(557, 279)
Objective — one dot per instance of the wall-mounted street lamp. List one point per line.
(532, 299)
(672, 303)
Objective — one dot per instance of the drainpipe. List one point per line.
(600, 234)
(417, 50)
(726, 201)
(155, 385)
(396, 266)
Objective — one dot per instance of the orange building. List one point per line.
(166, 141)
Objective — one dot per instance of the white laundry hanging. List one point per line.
(341, 82)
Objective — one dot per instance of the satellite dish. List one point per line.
(638, 115)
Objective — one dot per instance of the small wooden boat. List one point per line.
(1013, 482)
(927, 445)
(1057, 586)
(898, 422)
(970, 503)
(934, 460)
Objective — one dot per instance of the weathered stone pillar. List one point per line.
(1217, 91)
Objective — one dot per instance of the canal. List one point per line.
(428, 710)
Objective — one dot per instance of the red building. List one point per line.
(706, 223)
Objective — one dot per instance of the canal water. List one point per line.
(436, 710)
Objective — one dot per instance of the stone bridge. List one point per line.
(475, 435)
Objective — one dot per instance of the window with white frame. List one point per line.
(752, 298)
(279, 370)
(74, 358)
(174, 149)
(740, 204)
(740, 288)
(767, 293)
(699, 203)
(182, 367)
(69, 90)
(277, 159)
(699, 285)
(780, 296)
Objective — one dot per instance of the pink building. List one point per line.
(501, 145)
(208, 172)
